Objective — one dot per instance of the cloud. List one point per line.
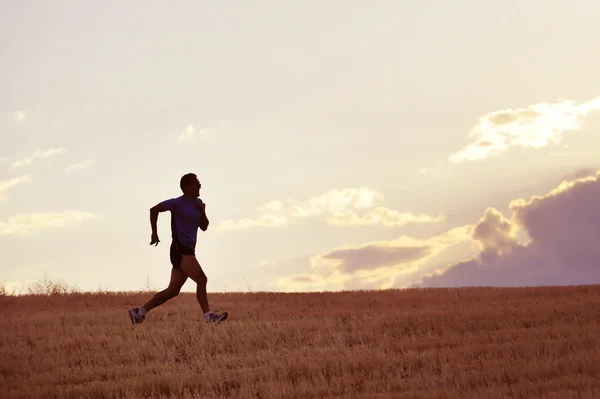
(339, 206)
(548, 240)
(262, 221)
(559, 154)
(37, 155)
(374, 256)
(6, 185)
(266, 263)
(495, 233)
(375, 265)
(536, 126)
(382, 217)
(190, 132)
(19, 116)
(302, 279)
(581, 173)
(80, 165)
(21, 224)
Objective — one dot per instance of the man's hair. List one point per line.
(186, 179)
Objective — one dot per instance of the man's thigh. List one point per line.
(176, 253)
(178, 279)
(191, 267)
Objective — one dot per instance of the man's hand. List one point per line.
(203, 219)
(154, 240)
(154, 211)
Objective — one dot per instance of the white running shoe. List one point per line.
(135, 316)
(216, 317)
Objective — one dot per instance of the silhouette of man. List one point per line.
(188, 212)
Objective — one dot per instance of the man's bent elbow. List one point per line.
(157, 208)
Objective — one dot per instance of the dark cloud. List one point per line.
(374, 256)
(563, 228)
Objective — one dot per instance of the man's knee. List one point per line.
(171, 292)
(192, 268)
(203, 279)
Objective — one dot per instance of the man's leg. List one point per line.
(178, 279)
(191, 267)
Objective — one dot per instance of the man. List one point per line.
(188, 212)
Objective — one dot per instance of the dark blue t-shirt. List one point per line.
(185, 219)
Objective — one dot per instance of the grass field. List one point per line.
(433, 343)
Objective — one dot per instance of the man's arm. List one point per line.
(203, 218)
(154, 211)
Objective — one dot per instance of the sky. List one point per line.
(340, 145)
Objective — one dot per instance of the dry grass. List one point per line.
(437, 343)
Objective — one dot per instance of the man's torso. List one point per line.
(185, 219)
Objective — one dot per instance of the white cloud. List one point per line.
(334, 201)
(6, 185)
(190, 132)
(262, 221)
(28, 160)
(19, 116)
(32, 222)
(80, 165)
(535, 126)
(340, 207)
(383, 217)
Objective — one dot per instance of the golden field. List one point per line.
(419, 343)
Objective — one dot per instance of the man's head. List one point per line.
(190, 185)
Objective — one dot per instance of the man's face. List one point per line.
(193, 187)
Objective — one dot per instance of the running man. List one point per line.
(188, 212)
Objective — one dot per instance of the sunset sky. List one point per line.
(340, 145)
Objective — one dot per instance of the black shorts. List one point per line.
(177, 250)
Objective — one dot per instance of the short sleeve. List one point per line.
(170, 204)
